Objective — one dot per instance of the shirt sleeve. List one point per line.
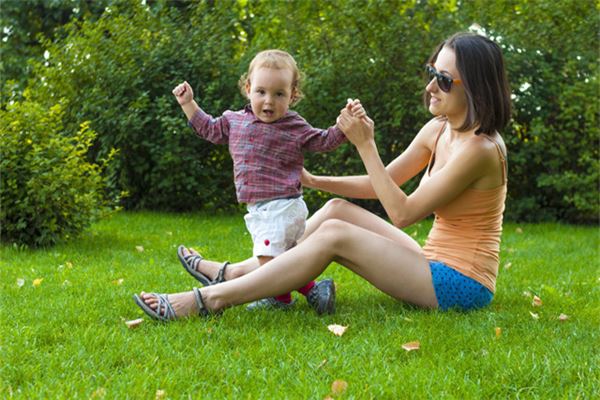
(320, 140)
(215, 130)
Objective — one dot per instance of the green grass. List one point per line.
(66, 338)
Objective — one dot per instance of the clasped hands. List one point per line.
(356, 125)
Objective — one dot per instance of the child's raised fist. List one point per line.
(183, 93)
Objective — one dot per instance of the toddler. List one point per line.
(266, 141)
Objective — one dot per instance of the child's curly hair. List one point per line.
(277, 59)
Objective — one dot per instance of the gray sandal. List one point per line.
(165, 312)
(191, 261)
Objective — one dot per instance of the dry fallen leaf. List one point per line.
(534, 315)
(37, 282)
(507, 265)
(69, 265)
(134, 323)
(20, 282)
(337, 329)
(139, 248)
(322, 363)
(118, 281)
(338, 387)
(563, 317)
(66, 283)
(160, 394)
(519, 230)
(498, 331)
(536, 302)
(416, 345)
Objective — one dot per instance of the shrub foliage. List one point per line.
(49, 191)
(118, 69)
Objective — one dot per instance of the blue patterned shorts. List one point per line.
(454, 290)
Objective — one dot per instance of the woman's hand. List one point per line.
(356, 125)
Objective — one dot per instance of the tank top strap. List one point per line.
(502, 158)
(437, 138)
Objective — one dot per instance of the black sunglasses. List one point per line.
(443, 81)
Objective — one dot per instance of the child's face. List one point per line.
(270, 93)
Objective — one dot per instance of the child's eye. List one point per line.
(280, 94)
(260, 91)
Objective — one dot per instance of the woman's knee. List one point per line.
(332, 231)
(335, 207)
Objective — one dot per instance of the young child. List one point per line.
(266, 141)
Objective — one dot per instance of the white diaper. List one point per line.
(276, 225)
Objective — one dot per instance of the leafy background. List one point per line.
(114, 62)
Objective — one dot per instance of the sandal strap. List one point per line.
(202, 311)
(165, 309)
(193, 260)
(221, 275)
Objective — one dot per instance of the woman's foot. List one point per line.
(205, 271)
(168, 307)
(183, 304)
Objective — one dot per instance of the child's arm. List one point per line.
(215, 130)
(320, 140)
(403, 168)
(185, 97)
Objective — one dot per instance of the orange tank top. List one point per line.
(466, 232)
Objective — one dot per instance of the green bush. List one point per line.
(120, 70)
(48, 190)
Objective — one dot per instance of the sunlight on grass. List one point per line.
(63, 331)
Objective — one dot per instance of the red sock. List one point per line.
(305, 289)
(284, 298)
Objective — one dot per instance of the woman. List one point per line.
(464, 185)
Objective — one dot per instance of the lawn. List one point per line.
(63, 331)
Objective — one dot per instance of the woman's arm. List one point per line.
(403, 168)
(459, 172)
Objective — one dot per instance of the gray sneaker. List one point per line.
(322, 297)
(269, 303)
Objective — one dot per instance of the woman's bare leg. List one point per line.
(397, 270)
(346, 211)
(334, 209)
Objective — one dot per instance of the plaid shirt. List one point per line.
(267, 158)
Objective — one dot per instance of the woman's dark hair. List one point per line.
(481, 66)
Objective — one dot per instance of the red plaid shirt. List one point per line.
(267, 158)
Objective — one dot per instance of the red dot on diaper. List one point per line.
(267, 242)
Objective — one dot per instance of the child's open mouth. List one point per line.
(268, 112)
